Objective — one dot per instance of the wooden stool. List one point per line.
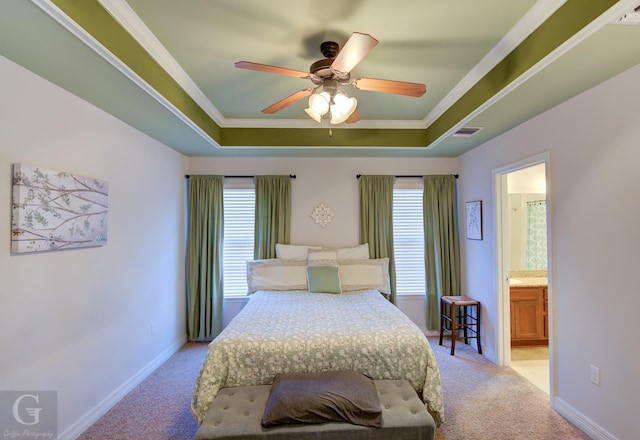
(456, 311)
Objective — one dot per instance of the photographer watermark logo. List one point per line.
(34, 413)
(28, 415)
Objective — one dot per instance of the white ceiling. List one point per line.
(451, 47)
(531, 180)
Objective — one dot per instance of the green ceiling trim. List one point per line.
(320, 137)
(570, 18)
(95, 20)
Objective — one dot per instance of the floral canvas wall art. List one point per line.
(474, 219)
(54, 210)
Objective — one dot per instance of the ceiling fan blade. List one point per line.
(389, 86)
(271, 69)
(355, 117)
(354, 50)
(297, 96)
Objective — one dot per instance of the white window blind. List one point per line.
(408, 240)
(239, 213)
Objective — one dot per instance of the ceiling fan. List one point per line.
(329, 74)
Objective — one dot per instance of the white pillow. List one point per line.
(274, 274)
(321, 257)
(293, 251)
(365, 274)
(360, 252)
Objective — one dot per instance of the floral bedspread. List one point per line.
(294, 331)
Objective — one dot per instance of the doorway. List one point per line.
(522, 205)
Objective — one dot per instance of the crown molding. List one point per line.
(537, 15)
(611, 14)
(129, 20)
(65, 21)
(308, 123)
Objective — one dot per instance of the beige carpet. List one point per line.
(487, 402)
(158, 408)
(482, 401)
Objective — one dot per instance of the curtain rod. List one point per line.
(292, 176)
(414, 177)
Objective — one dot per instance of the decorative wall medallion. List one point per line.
(322, 215)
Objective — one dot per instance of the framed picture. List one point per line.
(54, 210)
(474, 220)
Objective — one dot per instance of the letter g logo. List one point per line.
(34, 413)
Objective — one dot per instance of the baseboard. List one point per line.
(585, 424)
(112, 399)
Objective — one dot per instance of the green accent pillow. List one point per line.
(323, 279)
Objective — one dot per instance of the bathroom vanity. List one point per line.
(529, 322)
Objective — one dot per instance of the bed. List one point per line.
(282, 331)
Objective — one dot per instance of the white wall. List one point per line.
(77, 321)
(331, 181)
(593, 145)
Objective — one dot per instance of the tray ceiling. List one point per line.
(167, 67)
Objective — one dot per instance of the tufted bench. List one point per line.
(236, 413)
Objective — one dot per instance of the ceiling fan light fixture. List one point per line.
(337, 119)
(347, 105)
(342, 107)
(319, 103)
(313, 115)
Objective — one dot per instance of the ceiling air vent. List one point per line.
(466, 132)
(632, 17)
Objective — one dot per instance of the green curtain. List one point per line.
(442, 246)
(376, 221)
(273, 214)
(204, 256)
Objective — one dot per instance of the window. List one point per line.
(408, 237)
(239, 213)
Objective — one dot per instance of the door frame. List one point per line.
(502, 257)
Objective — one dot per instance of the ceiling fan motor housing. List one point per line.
(329, 49)
(321, 69)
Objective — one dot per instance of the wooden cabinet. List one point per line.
(529, 323)
(545, 299)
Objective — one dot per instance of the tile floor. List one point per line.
(533, 364)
